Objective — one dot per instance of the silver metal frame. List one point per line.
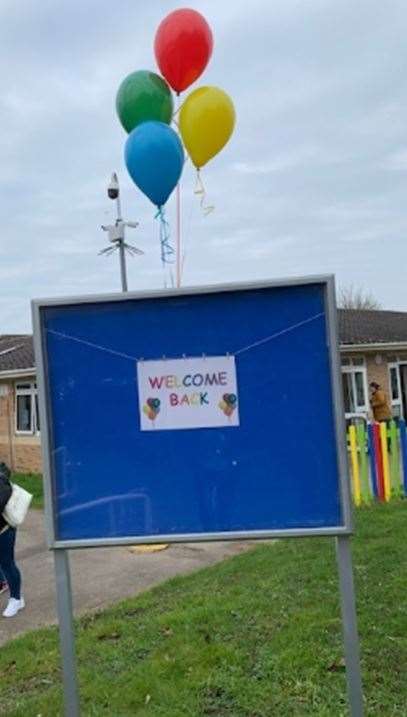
(349, 626)
(66, 633)
(342, 533)
(328, 284)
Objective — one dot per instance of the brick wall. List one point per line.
(378, 372)
(21, 453)
(5, 453)
(22, 458)
(27, 458)
(6, 428)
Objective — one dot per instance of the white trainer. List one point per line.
(13, 607)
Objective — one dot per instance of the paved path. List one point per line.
(100, 577)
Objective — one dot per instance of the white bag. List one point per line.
(17, 507)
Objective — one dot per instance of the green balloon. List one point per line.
(143, 96)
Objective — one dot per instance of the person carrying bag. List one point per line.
(14, 504)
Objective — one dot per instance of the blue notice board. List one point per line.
(252, 451)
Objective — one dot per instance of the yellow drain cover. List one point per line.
(148, 548)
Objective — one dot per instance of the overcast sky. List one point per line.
(313, 180)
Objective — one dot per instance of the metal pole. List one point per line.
(119, 207)
(349, 626)
(66, 633)
(178, 247)
(122, 251)
(123, 269)
(178, 200)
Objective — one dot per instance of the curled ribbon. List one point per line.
(200, 190)
(167, 251)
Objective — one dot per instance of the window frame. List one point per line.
(26, 388)
(351, 367)
(396, 402)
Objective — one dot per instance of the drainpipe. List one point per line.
(10, 403)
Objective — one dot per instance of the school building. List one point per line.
(373, 348)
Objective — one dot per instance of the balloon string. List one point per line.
(181, 104)
(200, 190)
(167, 251)
(175, 114)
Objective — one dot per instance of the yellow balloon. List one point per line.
(206, 122)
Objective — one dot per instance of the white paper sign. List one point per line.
(188, 393)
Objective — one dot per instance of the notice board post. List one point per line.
(349, 625)
(66, 632)
(343, 549)
(201, 388)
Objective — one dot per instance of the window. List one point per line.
(360, 388)
(27, 416)
(394, 383)
(395, 390)
(37, 413)
(354, 392)
(354, 383)
(348, 395)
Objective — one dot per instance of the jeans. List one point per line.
(7, 562)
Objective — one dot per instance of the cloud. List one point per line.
(397, 161)
(312, 179)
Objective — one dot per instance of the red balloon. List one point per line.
(183, 46)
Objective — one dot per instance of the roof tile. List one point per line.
(371, 327)
(16, 352)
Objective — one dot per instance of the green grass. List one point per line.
(33, 483)
(254, 636)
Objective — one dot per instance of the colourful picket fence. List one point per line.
(378, 461)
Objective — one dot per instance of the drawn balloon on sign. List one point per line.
(154, 155)
(152, 408)
(228, 403)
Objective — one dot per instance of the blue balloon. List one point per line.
(154, 158)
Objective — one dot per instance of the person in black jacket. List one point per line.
(7, 544)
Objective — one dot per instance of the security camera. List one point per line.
(113, 187)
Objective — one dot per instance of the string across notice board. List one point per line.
(260, 342)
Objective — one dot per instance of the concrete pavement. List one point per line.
(100, 576)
